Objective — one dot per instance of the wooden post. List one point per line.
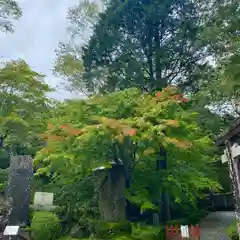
(233, 177)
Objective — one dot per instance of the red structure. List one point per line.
(174, 232)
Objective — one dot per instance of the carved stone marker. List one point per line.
(111, 190)
(43, 201)
(19, 187)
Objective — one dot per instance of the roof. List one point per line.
(232, 133)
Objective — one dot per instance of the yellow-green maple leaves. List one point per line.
(130, 127)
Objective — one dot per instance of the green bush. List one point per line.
(68, 238)
(3, 179)
(232, 231)
(146, 232)
(109, 230)
(127, 231)
(45, 226)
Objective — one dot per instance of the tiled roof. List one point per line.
(232, 131)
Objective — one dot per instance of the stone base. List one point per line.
(43, 207)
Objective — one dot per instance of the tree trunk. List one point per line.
(150, 58)
(158, 59)
(112, 204)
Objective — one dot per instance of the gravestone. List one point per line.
(19, 189)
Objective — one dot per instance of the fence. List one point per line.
(182, 232)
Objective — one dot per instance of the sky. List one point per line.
(36, 37)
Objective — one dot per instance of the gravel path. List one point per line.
(213, 227)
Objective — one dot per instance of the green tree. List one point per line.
(129, 128)
(23, 106)
(144, 44)
(221, 35)
(9, 12)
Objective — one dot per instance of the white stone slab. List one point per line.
(43, 198)
(11, 231)
(184, 231)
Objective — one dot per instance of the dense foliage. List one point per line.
(133, 60)
(23, 107)
(45, 225)
(130, 128)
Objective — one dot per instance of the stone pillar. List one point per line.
(19, 188)
(111, 191)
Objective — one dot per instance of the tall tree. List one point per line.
(9, 12)
(221, 35)
(23, 105)
(144, 44)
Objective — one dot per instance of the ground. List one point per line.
(213, 227)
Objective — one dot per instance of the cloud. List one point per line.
(36, 36)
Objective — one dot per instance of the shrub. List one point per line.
(109, 230)
(45, 225)
(3, 179)
(146, 232)
(69, 238)
(232, 231)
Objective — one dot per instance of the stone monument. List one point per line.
(19, 189)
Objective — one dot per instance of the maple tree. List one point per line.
(128, 128)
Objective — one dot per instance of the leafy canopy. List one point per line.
(129, 128)
(23, 105)
(142, 44)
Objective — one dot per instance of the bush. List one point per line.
(45, 225)
(232, 231)
(126, 231)
(146, 232)
(109, 230)
(68, 238)
(3, 179)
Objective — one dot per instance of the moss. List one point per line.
(45, 225)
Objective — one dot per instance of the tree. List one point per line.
(128, 128)
(82, 18)
(23, 106)
(144, 44)
(9, 12)
(221, 35)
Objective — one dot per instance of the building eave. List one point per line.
(232, 133)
